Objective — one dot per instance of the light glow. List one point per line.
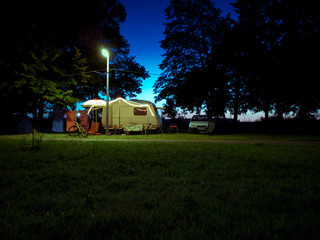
(105, 53)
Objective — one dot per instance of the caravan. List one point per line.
(132, 116)
(128, 116)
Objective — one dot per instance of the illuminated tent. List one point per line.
(94, 104)
(131, 115)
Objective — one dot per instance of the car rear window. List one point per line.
(200, 118)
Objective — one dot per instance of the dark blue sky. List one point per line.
(144, 29)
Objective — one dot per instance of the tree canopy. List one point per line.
(190, 37)
(49, 52)
(264, 61)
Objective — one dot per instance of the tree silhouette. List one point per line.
(266, 61)
(280, 38)
(190, 37)
(39, 56)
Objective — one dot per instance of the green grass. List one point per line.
(179, 136)
(121, 190)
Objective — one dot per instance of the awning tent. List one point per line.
(94, 104)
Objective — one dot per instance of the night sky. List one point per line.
(144, 29)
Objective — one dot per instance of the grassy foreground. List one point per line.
(180, 136)
(121, 190)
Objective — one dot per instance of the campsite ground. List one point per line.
(181, 136)
(158, 189)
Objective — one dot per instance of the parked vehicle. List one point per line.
(202, 124)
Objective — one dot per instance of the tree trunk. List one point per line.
(41, 110)
(266, 119)
(235, 117)
(37, 113)
(266, 115)
(34, 116)
(236, 105)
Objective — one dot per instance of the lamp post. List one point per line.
(105, 53)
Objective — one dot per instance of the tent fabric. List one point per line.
(71, 115)
(84, 118)
(96, 103)
(24, 124)
(94, 127)
(57, 125)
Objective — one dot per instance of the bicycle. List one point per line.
(76, 129)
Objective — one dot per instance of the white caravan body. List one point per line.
(131, 115)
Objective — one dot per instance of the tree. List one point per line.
(170, 109)
(46, 50)
(300, 24)
(280, 39)
(190, 37)
(228, 58)
(258, 40)
(127, 78)
(44, 81)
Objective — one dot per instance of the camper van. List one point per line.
(132, 116)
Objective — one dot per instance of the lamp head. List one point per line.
(105, 53)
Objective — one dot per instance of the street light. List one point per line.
(105, 53)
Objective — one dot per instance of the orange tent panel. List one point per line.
(71, 115)
(94, 127)
(84, 118)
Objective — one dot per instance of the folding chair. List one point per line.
(173, 127)
(94, 128)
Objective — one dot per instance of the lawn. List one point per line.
(120, 190)
(180, 136)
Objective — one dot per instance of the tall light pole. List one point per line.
(105, 53)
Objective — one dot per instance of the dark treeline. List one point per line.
(47, 50)
(267, 60)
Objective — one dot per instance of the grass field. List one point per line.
(180, 136)
(120, 190)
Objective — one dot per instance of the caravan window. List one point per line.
(140, 111)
